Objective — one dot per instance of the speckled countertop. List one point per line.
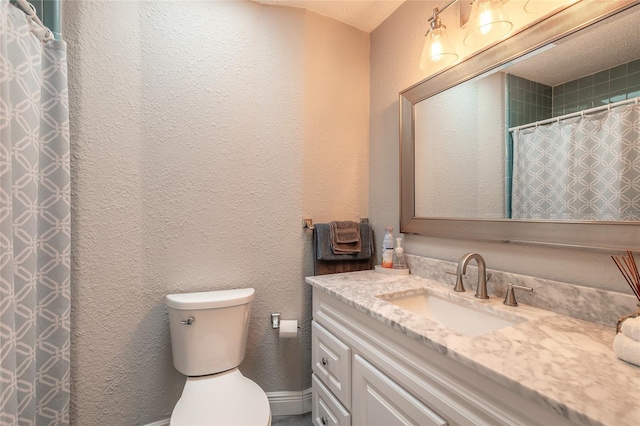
(560, 362)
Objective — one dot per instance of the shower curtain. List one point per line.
(584, 168)
(34, 225)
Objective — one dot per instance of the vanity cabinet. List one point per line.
(331, 360)
(326, 408)
(367, 373)
(381, 401)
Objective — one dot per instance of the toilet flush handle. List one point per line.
(188, 321)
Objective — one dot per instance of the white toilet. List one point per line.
(208, 341)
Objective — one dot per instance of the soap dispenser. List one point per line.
(399, 261)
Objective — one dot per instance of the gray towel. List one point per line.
(322, 242)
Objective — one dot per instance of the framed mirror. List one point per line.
(479, 159)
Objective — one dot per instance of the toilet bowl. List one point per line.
(208, 342)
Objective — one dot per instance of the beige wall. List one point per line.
(202, 133)
(395, 51)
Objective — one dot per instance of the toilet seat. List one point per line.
(226, 398)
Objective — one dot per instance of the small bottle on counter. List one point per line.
(387, 248)
(399, 261)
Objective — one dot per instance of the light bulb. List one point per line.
(438, 52)
(436, 47)
(487, 23)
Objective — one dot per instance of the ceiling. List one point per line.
(609, 43)
(565, 62)
(362, 14)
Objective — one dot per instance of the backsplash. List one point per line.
(589, 304)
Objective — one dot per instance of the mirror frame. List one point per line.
(614, 235)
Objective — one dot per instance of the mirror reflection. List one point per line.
(553, 136)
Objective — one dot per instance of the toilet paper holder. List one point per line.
(275, 320)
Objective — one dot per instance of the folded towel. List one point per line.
(627, 349)
(631, 328)
(322, 242)
(345, 237)
(345, 232)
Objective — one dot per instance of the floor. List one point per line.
(301, 420)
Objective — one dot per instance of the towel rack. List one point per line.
(308, 223)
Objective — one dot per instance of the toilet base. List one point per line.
(222, 399)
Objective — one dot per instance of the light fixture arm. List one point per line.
(435, 22)
(451, 3)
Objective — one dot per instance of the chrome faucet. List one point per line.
(481, 288)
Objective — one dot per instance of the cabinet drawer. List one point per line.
(326, 409)
(331, 362)
(380, 401)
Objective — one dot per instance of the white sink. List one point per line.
(459, 316)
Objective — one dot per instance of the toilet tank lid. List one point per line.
(210, 299)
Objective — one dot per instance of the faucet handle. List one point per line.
(510, 298)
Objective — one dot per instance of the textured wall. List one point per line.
(395, 51)
(202, 132)
(459, 132)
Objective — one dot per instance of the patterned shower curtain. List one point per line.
(34, 225)
(584, 168)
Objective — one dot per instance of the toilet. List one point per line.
(208, 341)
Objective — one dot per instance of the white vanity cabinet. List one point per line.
(331, 380)
(381, 401)
(326, 408)
(331, 360)
(366, 373)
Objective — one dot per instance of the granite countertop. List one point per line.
(562, 363)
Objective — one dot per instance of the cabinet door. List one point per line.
(379, 401)
(326, 409)
(331, 361)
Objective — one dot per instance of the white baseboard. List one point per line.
(290, 403)
(287, 403)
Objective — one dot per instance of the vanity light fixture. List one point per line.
(487, 23)
(438, 51)
(543, 6)
(533, 6)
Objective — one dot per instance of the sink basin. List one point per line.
(459, 316)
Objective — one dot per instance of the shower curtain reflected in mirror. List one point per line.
(583, 168)
(34, 225)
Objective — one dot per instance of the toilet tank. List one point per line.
(209, 330)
